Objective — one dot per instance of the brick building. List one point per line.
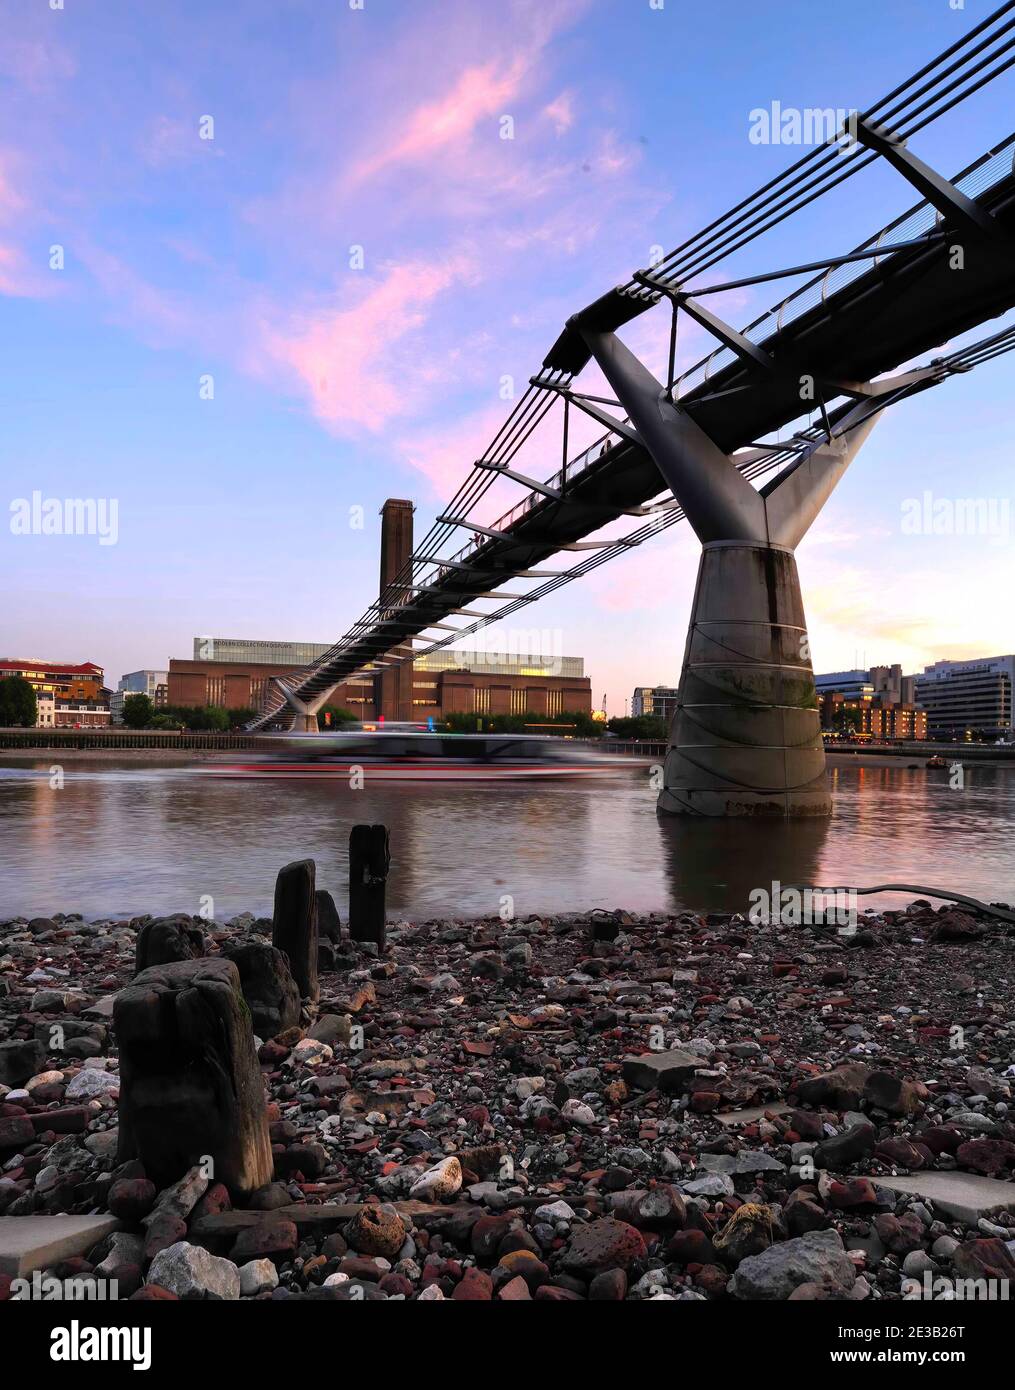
(69, 695)
(446, 682)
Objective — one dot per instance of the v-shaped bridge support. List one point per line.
(305, 712)
(746, 738)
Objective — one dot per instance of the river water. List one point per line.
(130, 836)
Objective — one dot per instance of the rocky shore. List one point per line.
(575, 1107)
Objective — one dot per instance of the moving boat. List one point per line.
(395, 756)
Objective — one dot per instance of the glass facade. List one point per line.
(501, 663)
(263, 653)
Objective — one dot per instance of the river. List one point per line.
(124, 836)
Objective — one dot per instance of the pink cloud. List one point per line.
(480, 93)
(444, 454)
(348, 358)
(561, 112)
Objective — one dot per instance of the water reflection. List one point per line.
(714, 865)
(130, 837)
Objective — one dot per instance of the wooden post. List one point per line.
(294, 924)
(369, 860)
(190, 1084)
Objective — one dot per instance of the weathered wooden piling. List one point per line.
(272, 994)
(166, 939)
(190, 1085)
(369, 861)
(294, 924)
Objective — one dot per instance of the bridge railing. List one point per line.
(985, 173)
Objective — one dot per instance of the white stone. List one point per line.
(308, 1052)
(43, 1078)
(439, 1182)
(431, 1294)
(257, 1276)
(190, 1271)
(91, 1084)
(554, 1211)
(578, 1113)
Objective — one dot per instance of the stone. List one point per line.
(92, 1084)
(985, 1258)
(955, 926)
(190, 1081)
(20, 1059)
(988, 1156)
(899, 1151)
(38, 1242)
(257, 1276)
(189, 1271)
(733, 1119)
(273, 1239)
(839, 1089)
(294, 924)
(333, 1029)
(609, 1287)
(476, 1286)
(899, 1234)
(883, 1091)
(329, 924)
(15, 1132)
(167, 939)
(668, 1072)
(817, 1257)
(125, 1250)
(440, 1182)
(72, 1037)
(272, 995)
(131, 1199)
(848, 1147)
(603, 1244)
(376, 1230)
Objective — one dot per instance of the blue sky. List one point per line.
(334, 387)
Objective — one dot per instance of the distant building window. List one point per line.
(481, 701)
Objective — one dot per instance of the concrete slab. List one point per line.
(964, 1196)
(734, 1118)
(33, 1242)
(102, 1008)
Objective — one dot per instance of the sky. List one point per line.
(263, 266)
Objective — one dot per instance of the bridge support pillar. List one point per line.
(305, 712)
(746, 737)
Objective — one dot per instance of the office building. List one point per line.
(968, 700)
(878, 704)
(659, 700)
(154, 684)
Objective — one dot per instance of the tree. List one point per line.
(18, 706)
(138, 711)
(651, 727)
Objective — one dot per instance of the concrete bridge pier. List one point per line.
(746, 737)
(305, 712)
